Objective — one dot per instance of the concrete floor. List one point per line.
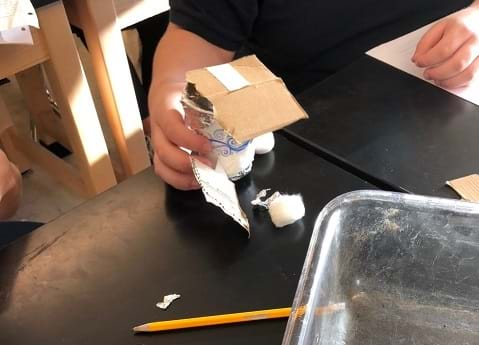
(43, 198)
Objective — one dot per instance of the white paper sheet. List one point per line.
(398, 53)
(15, 18)
(20, 35)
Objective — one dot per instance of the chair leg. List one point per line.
(48, 124)
(6, 142)
(103, 35)
(79, 116)
(21, 150)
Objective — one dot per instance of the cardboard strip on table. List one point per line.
(467, 187)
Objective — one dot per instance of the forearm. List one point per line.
(10, 191)
(180, 51)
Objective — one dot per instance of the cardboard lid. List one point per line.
(248, 100)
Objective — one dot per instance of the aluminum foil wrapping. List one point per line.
(235, 158)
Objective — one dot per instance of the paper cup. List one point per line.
(235, 158)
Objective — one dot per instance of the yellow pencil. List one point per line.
(229, 318)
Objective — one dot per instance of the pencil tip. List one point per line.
(142, 328)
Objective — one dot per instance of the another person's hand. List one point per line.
(170, 135)
(449, 50)
(10, 187)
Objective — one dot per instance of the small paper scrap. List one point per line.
(219, 191)
(467, 187)
(167, 300)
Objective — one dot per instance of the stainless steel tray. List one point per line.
(390, 268)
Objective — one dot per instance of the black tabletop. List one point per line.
(392, 127)
(40, 3)
(91, 275)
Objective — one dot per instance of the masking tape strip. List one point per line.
(231, 79)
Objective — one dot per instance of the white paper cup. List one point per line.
(235, 158)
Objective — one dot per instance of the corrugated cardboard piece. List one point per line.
(247, 99)
(467, 187)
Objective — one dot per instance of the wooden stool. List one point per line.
(102, 22)
(78, 127)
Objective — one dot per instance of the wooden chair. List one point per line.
(102, 22)
(77, 128)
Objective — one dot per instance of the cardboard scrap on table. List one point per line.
(467, 187)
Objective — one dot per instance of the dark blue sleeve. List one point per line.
(225, 23)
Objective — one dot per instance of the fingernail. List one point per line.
(427, 76)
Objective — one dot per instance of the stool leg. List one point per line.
(6, 141)
(103, 36)
(48, 124)
(21, 149)
(79, 116)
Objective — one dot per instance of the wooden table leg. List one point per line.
(103, 36)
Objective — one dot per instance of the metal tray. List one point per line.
(390, 268)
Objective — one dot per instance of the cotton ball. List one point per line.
(264, 143)
(286, 209)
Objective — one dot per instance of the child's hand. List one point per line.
(449, 50)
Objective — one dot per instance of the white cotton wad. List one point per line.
(286, 209)
(264, 143)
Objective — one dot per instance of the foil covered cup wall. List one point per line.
(235, 158)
